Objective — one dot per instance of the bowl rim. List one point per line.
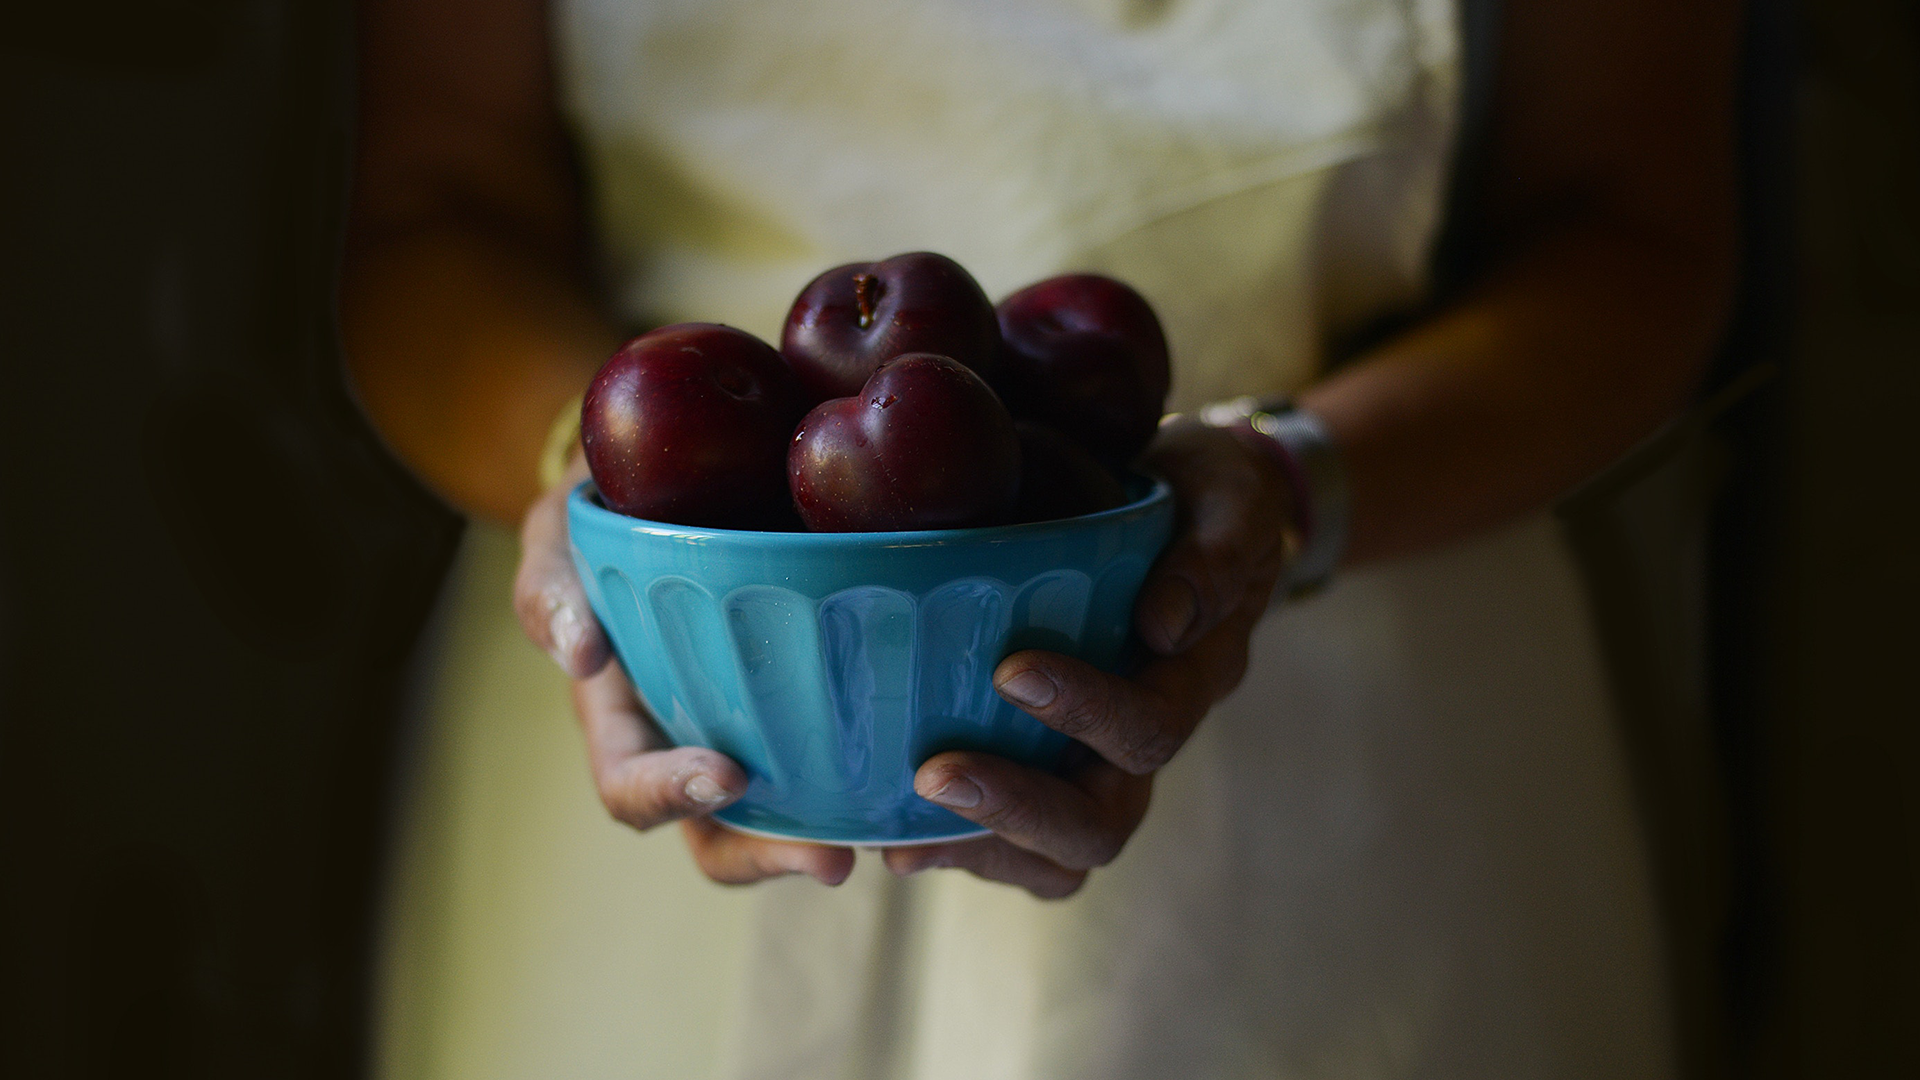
(581, 504)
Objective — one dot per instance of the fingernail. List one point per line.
(565, 628)
(1031, 688)
(706, 791)
(1173, 612)
(958, 792)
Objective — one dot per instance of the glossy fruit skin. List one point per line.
(1085, 355)
(854, 318)
(924, 445)
(689, 425)
(1059, 478)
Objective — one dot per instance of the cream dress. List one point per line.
(1403, 848)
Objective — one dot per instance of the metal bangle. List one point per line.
(1304, 439)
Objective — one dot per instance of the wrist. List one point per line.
(1299, 444)
(562, 445)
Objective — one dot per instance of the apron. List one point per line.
(1404, 847)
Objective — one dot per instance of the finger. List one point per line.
(993, 859)
(642, 782)
(732, 858)
(1080, 822)
(1136, 723)
(547, 594)
(1234, 533)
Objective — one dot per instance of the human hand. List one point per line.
(1233, 539)
(642, 779)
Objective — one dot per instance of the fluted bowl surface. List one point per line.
(830, 665)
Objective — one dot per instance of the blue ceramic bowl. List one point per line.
(830, 665)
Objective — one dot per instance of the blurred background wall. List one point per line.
(211, 577)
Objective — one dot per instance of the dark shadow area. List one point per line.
(1751, 572)
(211, 575)
(1837, 758)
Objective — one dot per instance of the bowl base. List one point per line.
(970, 833)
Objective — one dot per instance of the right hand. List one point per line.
(1234, 538)
(643, 780)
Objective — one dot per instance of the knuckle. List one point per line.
(1148, 751)
(1016, 817)
(1138, 744)
(1090, 714)
(611, 795)
(1232, 543)
(1059, 888)
(628, 808)
(1236, 670)
(616, 806)
(618, 809)
(760, 865)
(718, 863)
(1105, 848)
(722, 872)
(1218, 678)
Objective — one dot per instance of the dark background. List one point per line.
(212, 577)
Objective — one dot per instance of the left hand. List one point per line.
(1197, 610)
(643, 780)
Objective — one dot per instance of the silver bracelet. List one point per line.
(1313, 464)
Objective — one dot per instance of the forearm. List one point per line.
(1572, 351)
(464, 349)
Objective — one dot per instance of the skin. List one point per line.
(1609, 210)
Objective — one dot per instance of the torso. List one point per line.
(1254, 168)
(1403, 848)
